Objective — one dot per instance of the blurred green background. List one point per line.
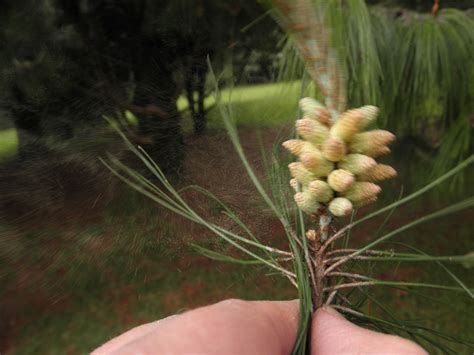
(83, 257)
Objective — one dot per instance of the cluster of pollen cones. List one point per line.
(336, 164)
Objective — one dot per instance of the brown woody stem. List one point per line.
(435, 8)
(339, 258)
(349, 285)
(348, 274)
(347, 310)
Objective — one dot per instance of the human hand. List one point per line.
(253, 327)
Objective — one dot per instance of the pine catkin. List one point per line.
(336, 165)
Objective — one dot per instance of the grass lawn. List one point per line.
(135, 267)
(8, 144)
(87, 283)
(256, 106)
(72, 284)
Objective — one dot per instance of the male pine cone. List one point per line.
(336, 165)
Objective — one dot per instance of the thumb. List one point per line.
(333, 334)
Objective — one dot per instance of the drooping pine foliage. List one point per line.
(434, 96)
(416, 67)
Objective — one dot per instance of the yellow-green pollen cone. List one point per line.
(301, 174)
(315, 110)
(334, 149)
(336, 168)
(361, 191)
(340, 207)
(340, 180)
(316, 163)
(307, 202)
(372, 143)
(379, 172)
(321, 190)
(312, 130)
(357, 163)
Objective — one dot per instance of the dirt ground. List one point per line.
(210, 162)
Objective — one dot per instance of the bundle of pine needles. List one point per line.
(318, 261)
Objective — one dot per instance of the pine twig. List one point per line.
(435, 8)
(348, 274)
(349, 285)
(331, 297)
(346, 259)
(347, 310)
(338, 235)
(278, 251)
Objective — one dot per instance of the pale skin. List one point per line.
(253, 327)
